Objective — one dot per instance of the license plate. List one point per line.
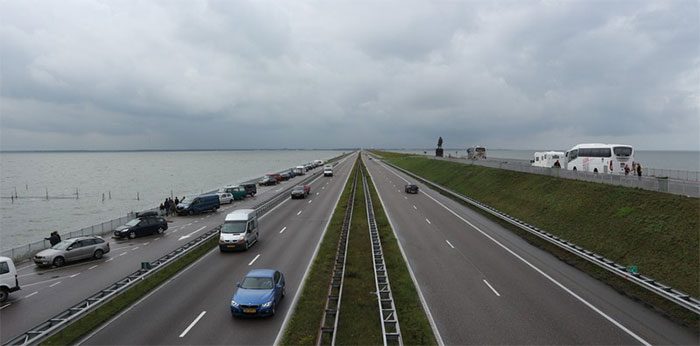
(231, 246)
(249, 310)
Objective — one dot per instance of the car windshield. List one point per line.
(298, 188)
(233, 227)
(62, 245)
(255, 283)
(133, 222)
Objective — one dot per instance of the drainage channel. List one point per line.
(390, 322)
(329, 322)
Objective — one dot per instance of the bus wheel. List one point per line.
(574, 169)
(595, 170)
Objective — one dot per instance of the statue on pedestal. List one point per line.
(438, 151)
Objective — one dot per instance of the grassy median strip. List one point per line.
(657, 232)
(73, 332)
(414, 324)
(305, 322)
(359, 322)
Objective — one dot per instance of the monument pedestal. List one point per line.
(438, 152)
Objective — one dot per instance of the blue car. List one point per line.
(258, 294)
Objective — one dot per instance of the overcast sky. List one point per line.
(328, 74)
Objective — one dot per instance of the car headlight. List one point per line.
(267, 305)
(234, 304)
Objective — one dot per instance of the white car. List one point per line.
(8, 278)
(225, 198)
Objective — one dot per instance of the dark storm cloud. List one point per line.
(237, 74)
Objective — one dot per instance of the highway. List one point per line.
(484, 285)
(48, 291)
(193, 307)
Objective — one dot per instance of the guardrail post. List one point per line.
(663, 184)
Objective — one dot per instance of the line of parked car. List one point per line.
(260, 291)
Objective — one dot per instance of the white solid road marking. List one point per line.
(193, 323)
(31, 294)
(189, 235)
(74, 275)
(54, 284)
(254, 259)
(491, 287)
(426, 220)
(299, 213)
(450, 244)
(414, 207)
(285, 227)
(93, 267)
(111, 259)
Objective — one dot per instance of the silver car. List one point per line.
(73, 249)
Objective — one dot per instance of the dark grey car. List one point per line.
(70, 250)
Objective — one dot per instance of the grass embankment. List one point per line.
(359, 322)
(305, 322)
(655, 231)
(414, 324)
(73, 332)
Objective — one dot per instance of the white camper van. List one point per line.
(239, 231)
(8, 278)
(548, 159)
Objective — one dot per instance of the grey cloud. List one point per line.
(305, 74)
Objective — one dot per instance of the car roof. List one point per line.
(84, 237)
(261, 273)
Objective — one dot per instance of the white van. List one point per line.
(8, 278)
(299, 170)
(239, 231)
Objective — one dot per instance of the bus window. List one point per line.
(622, 151)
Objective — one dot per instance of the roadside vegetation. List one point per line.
(81, 327)
(359, 322)
(306, 318)
(413, 321)
(654, 231)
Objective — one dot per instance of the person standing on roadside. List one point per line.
(166, 204)
(177, 201)
(639, 170)
(54, 238)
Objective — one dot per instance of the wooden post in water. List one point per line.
(76, 193)
(47, 193)
(137, 197)
(110, 194)
(103, 197)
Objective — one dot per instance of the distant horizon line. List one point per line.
(272, 149)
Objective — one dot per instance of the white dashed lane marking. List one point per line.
(299, 213)
(283, 229)
(254, 259)
(54, 284)
(74, 275)
(491, 287)
(414, 207)
(93, 267)
(193, 323)
(31, 294)
(426, 220)
(450, 244)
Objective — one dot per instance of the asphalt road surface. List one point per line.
(193, 307)
(48, 291)
(484, 285)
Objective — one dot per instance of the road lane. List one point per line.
(21, 313)
(209, 284)
(529, 308)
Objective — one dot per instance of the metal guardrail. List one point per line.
(61, 320)
(676, 296)
(331, 312)
(390, 322)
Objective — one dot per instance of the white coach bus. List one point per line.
(600, 158)
(548, 159)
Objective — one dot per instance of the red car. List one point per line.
(275, 176)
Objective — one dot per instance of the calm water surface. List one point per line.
(152, 176)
